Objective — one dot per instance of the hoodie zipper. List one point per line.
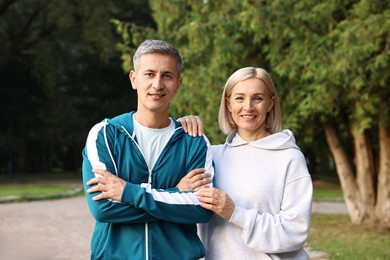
(147, 224)
(149, 182)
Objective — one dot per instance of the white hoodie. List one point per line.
(269, 182)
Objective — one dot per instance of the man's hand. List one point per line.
(110, 186)
(194, 180)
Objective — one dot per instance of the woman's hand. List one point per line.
(194, 180)
(192, 125)
(217, 201)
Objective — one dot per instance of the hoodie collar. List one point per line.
(277, 141)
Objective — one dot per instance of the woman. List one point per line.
(262, 198)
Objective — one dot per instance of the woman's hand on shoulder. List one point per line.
(192, 125)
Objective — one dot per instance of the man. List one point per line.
(139, 213)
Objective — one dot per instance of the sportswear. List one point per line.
(154, 220)
(269, 182)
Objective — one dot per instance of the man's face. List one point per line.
(157, 81)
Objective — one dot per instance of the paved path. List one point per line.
(61, 229)
(45, 230)
(330, 208)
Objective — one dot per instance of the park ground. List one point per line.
(61, 229)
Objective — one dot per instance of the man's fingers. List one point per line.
(202, 181)
(201, 184)
(97, 188)
(98, 197)
(195, 172)
(204, 176)
(102, 172)
(94, 181)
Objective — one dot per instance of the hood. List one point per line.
(278, 141)
(124, 124)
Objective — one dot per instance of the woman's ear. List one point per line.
(228, 106)
(272, 103)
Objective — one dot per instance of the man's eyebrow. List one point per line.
(149, 70)
(163, 72)
(168, 72)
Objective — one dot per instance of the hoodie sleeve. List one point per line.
(97, 155)
(171, 204)
(288, 229)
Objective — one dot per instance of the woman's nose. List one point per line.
(248, 106)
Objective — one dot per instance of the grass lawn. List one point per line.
(327, 191)
(335, 235)
(338, 237)
(25, 192)
(25, 187)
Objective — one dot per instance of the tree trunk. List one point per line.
(345, 172)
(382, 209)
(365, 172)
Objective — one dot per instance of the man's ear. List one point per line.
(132, 76)
(180, 81)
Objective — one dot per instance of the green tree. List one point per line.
(61, 73)
(343, 86)
(330, 62)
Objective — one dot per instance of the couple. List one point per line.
(148, 207)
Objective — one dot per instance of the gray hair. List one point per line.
(159, 47)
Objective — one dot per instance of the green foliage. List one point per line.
(61, 73)
(212, 51)
(329, 60)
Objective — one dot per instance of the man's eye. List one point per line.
(167, 76)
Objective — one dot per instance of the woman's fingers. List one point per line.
(192, 125)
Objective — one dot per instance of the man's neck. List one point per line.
(152, 119)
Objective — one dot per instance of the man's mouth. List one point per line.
(157, 95)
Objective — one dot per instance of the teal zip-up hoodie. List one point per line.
(154, 220)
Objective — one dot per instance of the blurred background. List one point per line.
(64, 66)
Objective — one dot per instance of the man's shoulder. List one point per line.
(122, 119)
(195, 142)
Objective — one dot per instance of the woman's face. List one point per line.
(249, 104)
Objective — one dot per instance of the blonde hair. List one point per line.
(273, 121)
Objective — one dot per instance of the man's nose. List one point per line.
(157, 84)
